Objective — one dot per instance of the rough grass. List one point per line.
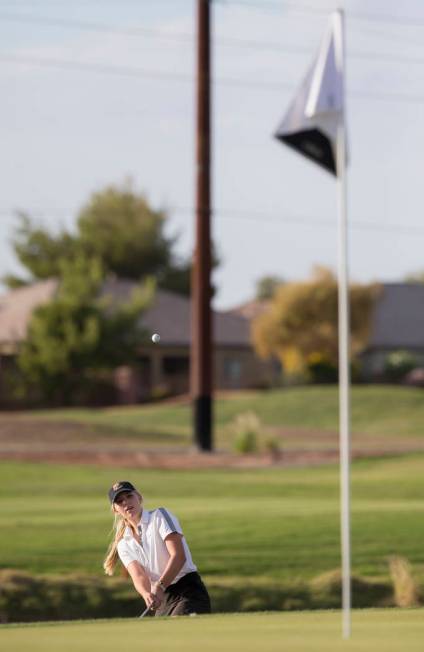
(277, 523)
(372, 631)
(25, 597)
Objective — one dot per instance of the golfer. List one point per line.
(152, 547)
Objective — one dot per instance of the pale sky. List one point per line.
(95, 92)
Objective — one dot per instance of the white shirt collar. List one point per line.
(145, 518)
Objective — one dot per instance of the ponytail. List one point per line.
(112, 556)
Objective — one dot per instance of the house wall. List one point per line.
(164, 371)
(241, 369)
(373, 361)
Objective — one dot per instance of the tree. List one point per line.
(117, 226)
(80, 334)
(267, 286)
(121, 229)
(415, 277)
(300, 326)
(39, 251)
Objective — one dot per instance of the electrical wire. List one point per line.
(159, 75)
(266, 218)
(407, 21)
(189, 38)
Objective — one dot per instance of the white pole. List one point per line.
(344, 383)
(344, 350)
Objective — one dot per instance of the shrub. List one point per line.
(321, 370)
(326, 591)
(159, 392)
(397, 364)
(249, 436)
(273, 447)
(246, 429)
(26, 598)
(406, 592)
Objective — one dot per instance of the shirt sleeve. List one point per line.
(125, 554)
(167, 523)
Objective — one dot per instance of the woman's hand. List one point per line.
(143, 586)
(152, 600)
(158, 592)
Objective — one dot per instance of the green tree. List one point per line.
(125, 233)
(267, 286)
(80, 334)
(117, 226)
(300, 326)
(41, 253)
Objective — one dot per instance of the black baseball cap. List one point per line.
(118, 488)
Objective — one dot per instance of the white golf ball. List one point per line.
(155, 338)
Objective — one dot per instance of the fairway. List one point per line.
(388, 630)
(67, 517)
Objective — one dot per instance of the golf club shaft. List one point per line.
(145, 612)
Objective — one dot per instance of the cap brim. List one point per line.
(120, 491)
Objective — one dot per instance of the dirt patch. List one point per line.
(162, 460)
(24, 439)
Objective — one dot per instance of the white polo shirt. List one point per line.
(152, 554)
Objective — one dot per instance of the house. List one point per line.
(160, 369)
(397, 324)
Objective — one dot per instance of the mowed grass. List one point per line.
(386, 411)
(388, 630)
(277, 523)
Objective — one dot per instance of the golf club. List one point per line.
(144, 612)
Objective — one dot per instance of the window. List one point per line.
(232, 369)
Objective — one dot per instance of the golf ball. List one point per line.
(155, 338)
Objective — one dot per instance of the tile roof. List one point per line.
(250, 309)
(17, 306)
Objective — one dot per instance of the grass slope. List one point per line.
(379, 411)
(372, 631)
(277, 523)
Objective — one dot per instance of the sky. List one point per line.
(97, 92)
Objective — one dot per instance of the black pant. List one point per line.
(188, 595)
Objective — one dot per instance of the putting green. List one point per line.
(388, 630)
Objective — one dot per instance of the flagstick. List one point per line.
(319, 106)
(344, 384)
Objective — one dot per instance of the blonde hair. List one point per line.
(119, 527)
(112, 556)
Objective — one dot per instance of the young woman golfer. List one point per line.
(152, 547)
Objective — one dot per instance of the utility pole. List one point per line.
(202, 343)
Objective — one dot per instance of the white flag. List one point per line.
(310, 125)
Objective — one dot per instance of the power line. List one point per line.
(268, 5)
(96, 27)
(408, 21)
(186, 37)
(159, 75)
(97, 68)
(273, 218)
(321, 222)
